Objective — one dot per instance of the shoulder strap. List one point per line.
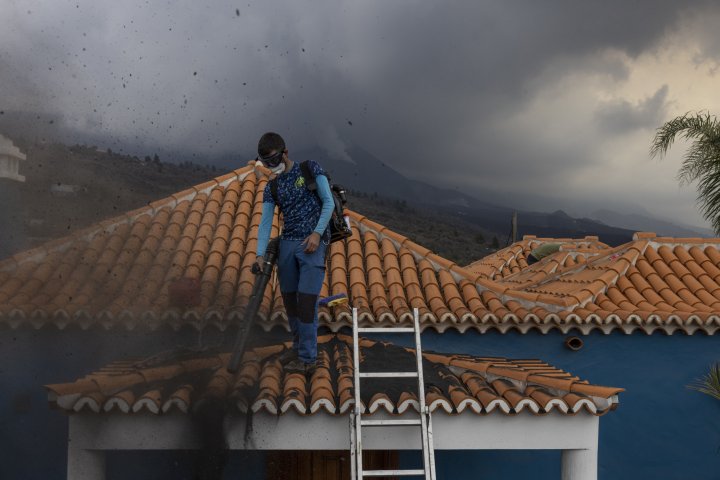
(307, 173)
(274, 190)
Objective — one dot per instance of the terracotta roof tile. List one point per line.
(119, 272)
(455, 384)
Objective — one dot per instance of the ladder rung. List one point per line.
(393, 473)
(384, 423)
(388, 375)
(386, 330)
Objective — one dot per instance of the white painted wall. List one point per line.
(10, 168)
(577, 436)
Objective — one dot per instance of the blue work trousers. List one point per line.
(301, 277)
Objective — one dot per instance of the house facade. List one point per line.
(10, 158)
(476, 404)
(641, 316)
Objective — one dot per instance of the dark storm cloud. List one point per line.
(420, 84)
(623, 117)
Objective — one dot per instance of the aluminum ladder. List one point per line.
(357, 422)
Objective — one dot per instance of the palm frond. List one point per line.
(702, 160)
(688, 126)
(710, 383)
(702, 156)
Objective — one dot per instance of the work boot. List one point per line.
(287, 356)
(298, 366)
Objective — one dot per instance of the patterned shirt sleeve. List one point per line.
(316, 169)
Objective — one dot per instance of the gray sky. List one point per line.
(548, 104)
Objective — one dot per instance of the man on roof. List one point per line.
(303, 244)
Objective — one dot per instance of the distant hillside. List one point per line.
(450, 237)
(68, 188)
(72, 187)
(373, 176)
(649, 224)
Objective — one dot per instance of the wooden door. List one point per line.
(322, 464)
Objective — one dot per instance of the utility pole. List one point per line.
(514, 227)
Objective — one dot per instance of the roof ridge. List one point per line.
(570, 301)
(655, 240)
(109, 225)
(419, 252)
(493, 265)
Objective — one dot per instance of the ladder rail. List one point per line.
(421, 395)
(431, 450)
(357, 410)
(353, 453)
(356, 421)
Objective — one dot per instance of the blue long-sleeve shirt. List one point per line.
(302, 213)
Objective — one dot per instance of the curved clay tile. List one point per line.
(710, 285)
(91, 401)
(144, 260)
(269, 382)
(411, 281)
(150, 401)
(692, 284)
(435, 400)
(180, 397)
(40, 274)
(471, 297)
(708, 299)
(294, 387)
(381, 401)
(451, 294)
(249, 374)
(711, 266)
(99, 274)
(121, 401)
(375, 278)
(358, 288)
(461, 399)
(699, 257)
(262, 385)
(431, 289)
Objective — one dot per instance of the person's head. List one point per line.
(271, 150)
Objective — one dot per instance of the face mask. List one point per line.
(279, 169)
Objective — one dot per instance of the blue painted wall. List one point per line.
(660, 430)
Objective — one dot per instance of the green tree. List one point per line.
(701, 161)
(710, 383)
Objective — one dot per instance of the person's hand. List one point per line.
(257, 266)
(311, 242)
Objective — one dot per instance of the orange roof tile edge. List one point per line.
(481, 383)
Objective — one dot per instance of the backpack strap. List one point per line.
(274, 191)
(307, 174)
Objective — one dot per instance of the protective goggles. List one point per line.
(273, 160)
